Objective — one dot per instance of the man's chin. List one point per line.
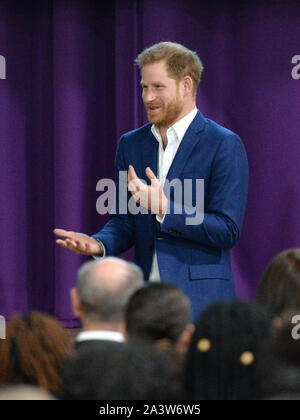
(154, 120)
(159, 122)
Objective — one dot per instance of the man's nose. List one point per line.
(148, 96)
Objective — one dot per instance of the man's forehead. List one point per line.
(155, 73)
(157, 64)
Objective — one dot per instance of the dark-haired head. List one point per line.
(279, 288)
(282, 367)
(160, 314)
(223, 361)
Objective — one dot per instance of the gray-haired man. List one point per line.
(101, 294)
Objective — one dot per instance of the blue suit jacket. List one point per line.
(196, 258)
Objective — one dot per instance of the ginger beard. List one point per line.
(165, 114)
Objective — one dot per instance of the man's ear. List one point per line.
(188, 85)
(184, 340)
(125, 332)
(75, 300)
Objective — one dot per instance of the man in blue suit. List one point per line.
(179, 237)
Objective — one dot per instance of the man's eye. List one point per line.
(158, 86)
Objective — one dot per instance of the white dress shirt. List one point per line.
(100, 335)
(174, 134)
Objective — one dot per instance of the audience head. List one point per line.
(32, 352)
(118, 371)
(103, 289)
(160, 313)
(279, 288)
(223, 362)
(282, 367)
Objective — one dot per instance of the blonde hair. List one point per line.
(180, 61)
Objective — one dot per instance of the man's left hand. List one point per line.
(151, 197)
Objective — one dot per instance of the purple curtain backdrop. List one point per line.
(71, 90)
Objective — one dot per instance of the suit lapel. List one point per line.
(189, 141)
(150, 158)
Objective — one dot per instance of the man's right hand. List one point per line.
(80, 243)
